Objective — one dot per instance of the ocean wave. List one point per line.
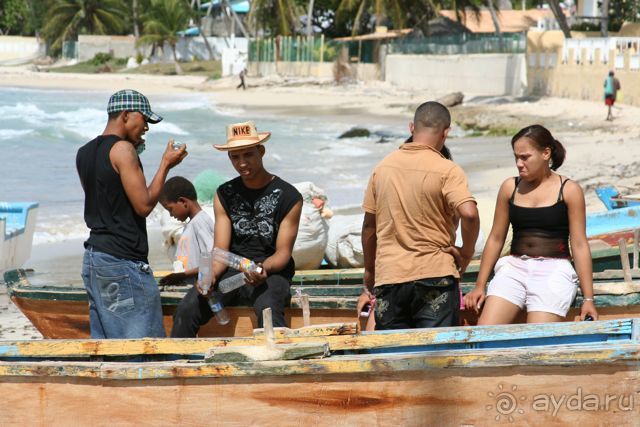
(195, 103)
(228, 111)
(169, 128)
(13, 133)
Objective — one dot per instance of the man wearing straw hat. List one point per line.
(256, 216)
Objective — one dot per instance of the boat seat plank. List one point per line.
(504, 335)
(622, 354)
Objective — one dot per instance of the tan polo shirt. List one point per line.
(414, 193)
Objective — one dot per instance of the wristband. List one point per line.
(587, 299)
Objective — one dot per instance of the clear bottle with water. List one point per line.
(236, 261)
(230, 283)
(204, 272)
(204, 282)
(220, 313)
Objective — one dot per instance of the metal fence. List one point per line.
(70, 50)
(461, 44)
(313, 49)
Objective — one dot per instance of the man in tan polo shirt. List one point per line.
(412, 205)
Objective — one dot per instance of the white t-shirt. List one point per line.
(196, 238)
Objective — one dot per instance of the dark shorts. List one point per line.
(425, 303)
(609, 100)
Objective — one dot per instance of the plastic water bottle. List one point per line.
(220, 313)
(204, 281)
(230, 283)
(204, 272)
(236, 261)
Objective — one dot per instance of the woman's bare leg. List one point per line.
(498, 311)
(543, 317)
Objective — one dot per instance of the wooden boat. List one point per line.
(17, 224)
(61, 311)
(579, 373)
(614, 220)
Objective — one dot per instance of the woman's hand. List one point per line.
(588, 308)
(475, 299)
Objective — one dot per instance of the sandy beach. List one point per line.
(599, 152)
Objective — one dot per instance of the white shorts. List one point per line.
(539, 284)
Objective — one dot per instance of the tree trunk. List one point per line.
(496, 23)
(236, 18)
(199, 25)
(136, 25)
(604, 22)
(560, 18)
(175, 60)
(309, 16)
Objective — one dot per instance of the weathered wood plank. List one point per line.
(267, 352)
(472, 336)
(620, 354)
(435, 397)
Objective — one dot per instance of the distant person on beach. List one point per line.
(124, 301)
(256, 216)
(611, 88)
(242, 76)
(547, 213)
(412, 204)
(179, 197)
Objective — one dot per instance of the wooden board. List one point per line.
(515, 387)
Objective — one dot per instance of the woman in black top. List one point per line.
(547, 214)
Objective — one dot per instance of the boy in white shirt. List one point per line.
(180, 199)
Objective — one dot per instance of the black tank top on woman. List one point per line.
(540, 232)
(116, 229)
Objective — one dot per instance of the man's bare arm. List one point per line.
(369, 248)
(284, 242)
(222, 236)
(125, 161)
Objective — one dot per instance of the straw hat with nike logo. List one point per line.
(243, 135)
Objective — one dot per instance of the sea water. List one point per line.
(41, 131)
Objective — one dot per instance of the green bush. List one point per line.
(101, 58)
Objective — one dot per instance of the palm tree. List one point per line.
(68, 18)
(274, 16)
(554, 5)
(402, 13)
(162, 21)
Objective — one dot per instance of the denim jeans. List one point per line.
(425, 303)
(124, 299)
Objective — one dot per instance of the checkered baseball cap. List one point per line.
(131, 100)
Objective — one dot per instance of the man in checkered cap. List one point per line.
(124, 301)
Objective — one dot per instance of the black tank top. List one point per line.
(540, 232)
(116, 229)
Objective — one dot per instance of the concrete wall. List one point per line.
(187, 48)
(577, 69)
(481, 74)
(118, 46)
(365, 72)
(16, 49)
